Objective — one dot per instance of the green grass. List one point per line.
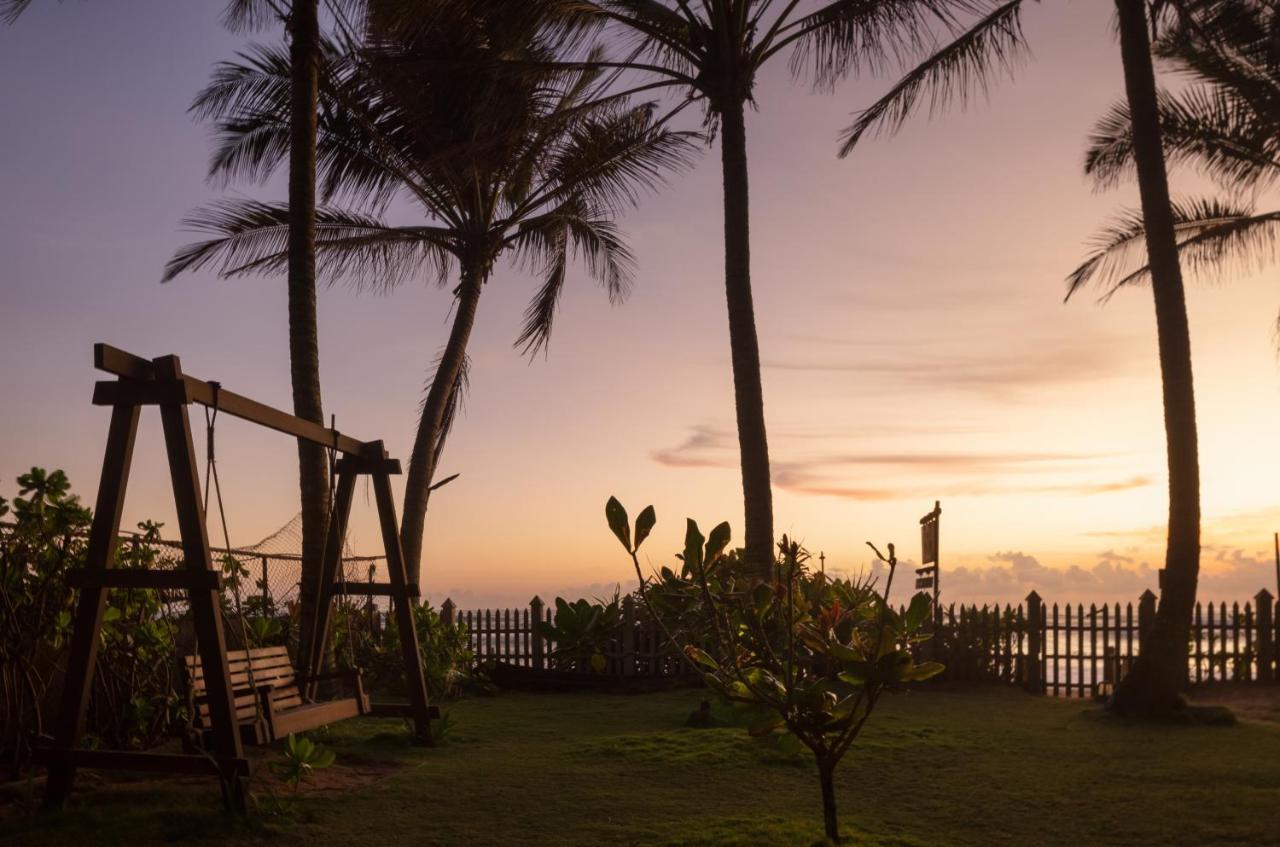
(939, 767)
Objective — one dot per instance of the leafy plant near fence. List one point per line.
(581, 632)
(809, 656)
(133, 701)
(448, 659)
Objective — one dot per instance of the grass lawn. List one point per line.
(977, 766)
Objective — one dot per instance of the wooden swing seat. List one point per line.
(270, 697)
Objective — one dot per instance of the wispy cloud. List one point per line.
(999, 372)
(967, 473)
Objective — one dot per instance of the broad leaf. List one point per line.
(644, 524)
(616, 515)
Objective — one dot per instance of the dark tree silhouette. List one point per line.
(529, 167)
(301, 22)
(1227, 123)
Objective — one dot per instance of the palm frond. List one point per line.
(550, 242)
(1213, 236)
(252, 237)
(11, 10)
(1204, 126)
(956, 72)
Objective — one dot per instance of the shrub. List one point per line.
(581, 632)
(811, 656)
(133, 701)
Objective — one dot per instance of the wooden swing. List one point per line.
(160, 382)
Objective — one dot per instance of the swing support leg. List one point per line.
(83, 655)
(403, 603)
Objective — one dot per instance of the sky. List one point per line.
(909, 308)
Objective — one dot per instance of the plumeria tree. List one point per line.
(808, 655)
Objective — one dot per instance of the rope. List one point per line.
(211, 475)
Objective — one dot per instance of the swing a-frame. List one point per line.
(160, 382)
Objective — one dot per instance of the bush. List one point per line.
(133, 702)
(447, 657)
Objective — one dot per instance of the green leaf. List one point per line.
(644, 524)
(692, 546)
(844, 653)
(701, 657)
(616, 515)
(923, 671)
(716, 543)
(762, 598)
(597, 662)
(918, 611)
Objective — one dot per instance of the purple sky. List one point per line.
(910, 317)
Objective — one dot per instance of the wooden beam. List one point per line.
(135, 369)
(129, 760)
(363, 465)
(113, 360)
(123, 392)
(375, 589)
(166, 580)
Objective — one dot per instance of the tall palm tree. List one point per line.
(1229, 124)
(502, 166)
(301, 23)
(1152, 687)
(710, 52)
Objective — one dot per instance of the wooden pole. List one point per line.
(403, 607)
(83, 653)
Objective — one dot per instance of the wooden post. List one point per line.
(315, 633)
(447, 611)
(402, 605)
(1266, 637)
(92, 605)
(1146, 614)
(205, 609)
(1035, 645)
(628, 636)
(266, 590)
(535, 618)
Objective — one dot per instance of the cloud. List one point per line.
(820, 476)
(1000, 372)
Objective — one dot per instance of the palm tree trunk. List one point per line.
(1153, 687)
(423, 458)
(304, 353)
(753, 443)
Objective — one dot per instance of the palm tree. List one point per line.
(301, 22)
(710, 52)
(1228, 123)
(528, 168)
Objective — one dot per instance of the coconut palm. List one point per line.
(533, 169)
(1227, 123)
(710, 52)
(300, 19)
